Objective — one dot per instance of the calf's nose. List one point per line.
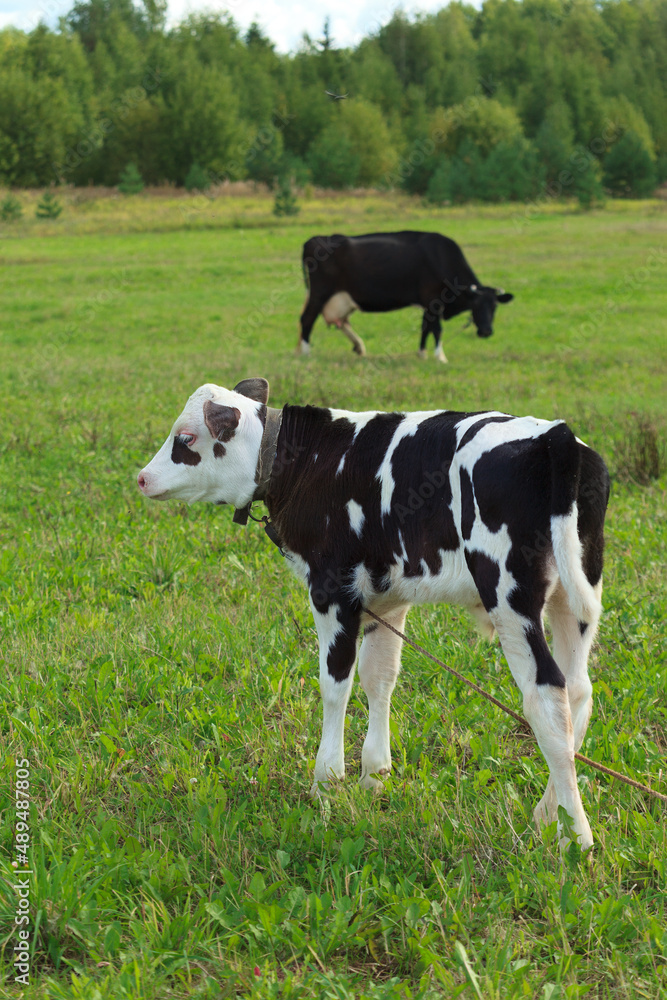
(141, 481)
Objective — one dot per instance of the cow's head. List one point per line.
(212, 450)
(484, 300)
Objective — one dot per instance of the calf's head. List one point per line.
(484, 302)
(212, 450)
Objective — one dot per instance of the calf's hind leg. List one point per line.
(546, 707)
(571, 649)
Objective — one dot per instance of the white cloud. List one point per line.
(349, 22)
(28, 16)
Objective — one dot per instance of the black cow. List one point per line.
(377, 511)
(380, 272)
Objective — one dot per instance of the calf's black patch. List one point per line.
(221, 420)
(548, 671)
(182, 455)
(467, 505)
(486, 574)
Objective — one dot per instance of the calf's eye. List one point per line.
(185, 438)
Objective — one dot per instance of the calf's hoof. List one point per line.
(375, 784)
(545, 812)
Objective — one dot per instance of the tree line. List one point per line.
(514, 100)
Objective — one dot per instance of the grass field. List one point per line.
(159, 663)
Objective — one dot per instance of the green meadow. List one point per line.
(159, 663)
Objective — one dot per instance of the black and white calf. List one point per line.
(503, 515)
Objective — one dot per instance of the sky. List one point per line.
(284, 21)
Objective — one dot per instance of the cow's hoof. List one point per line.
(422, 355)
(359, 349)
(303, 348)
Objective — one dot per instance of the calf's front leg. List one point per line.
(379, 665)
(337, 631)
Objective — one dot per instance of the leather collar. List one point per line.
(266, 458)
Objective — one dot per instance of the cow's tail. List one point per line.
(565, 455)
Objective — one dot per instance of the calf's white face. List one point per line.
(211, 453)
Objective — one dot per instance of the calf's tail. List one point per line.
(567, 498)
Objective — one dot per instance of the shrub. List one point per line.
(466, 175)
(10, 208)
(511, 172)
(333, 160)
(197, 179)
(439, 189)
(641, 454)
(586, 174)
(285, 200)
(131, 181)
(629, 170)
(48, 207)
(263, 159)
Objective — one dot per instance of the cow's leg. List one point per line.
(311, 310)
(337, 630)
(546, 706)
(426, 329)
(379, 664)
(431, 324)
(357, 342)
(437, 333)
(571, 648)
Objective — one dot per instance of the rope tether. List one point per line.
(510, 711)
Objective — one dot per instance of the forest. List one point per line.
(507, 102)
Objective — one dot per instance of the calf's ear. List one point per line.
(221, 421)
(502, 296)
(254, 388)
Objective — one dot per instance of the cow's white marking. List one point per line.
(356, 516)
(338, 308)
(358, 420)
(408, 426)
